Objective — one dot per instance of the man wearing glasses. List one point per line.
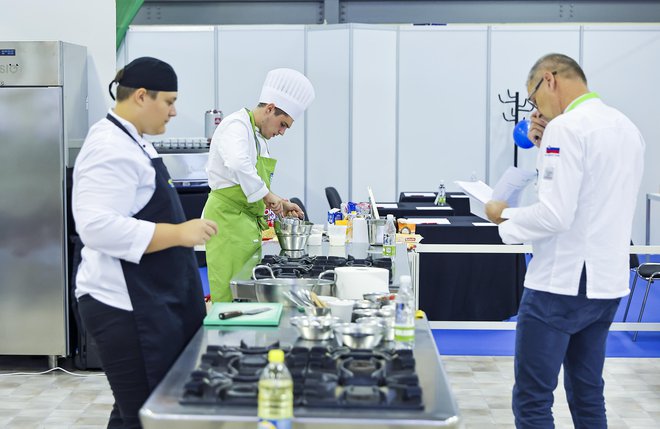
(590, 165)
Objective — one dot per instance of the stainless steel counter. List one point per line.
(243, 287)
(162, 409)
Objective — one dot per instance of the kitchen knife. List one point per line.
(229, 314)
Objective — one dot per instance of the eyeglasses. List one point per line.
(536, 88)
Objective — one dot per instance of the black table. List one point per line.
(458, 201)
(468, 286)
(414, 210)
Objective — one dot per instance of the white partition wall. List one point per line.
(514, 50)
(328, 118)
(245, 55)
(190, 51)
(442, 105)
(373, 112)
(621, 63)
(399, 108)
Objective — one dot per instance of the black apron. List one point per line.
(165, 287)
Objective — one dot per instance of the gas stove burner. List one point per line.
(360, 263)
(241, 392)
(245, 349)
(292, 274)
(362, 372)
(360, 366)
(364, 395)
(323, 377)
(248, 368)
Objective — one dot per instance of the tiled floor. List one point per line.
(481, 385)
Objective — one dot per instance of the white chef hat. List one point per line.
(289, 90)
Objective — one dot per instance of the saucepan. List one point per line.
(270, 289)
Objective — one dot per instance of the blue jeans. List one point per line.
(554, 329)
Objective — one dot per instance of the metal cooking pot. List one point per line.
(270, 289)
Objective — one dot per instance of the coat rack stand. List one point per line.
(515, 113)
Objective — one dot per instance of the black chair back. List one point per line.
(301, 205)
(634, 259)
(333, 197)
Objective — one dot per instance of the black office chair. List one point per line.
(333, 197)
(650, 272)
(301, 205)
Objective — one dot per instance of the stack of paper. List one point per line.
(508, 189)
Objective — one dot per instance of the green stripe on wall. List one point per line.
(126, 11)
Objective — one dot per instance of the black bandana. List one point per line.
(148, 73)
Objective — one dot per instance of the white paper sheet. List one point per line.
(479, 194)
(372, 201)
(433, 208)
(419, 194)
(388, 206)
(478, 190)
(483, 224)
(511, 184)
(431, 220)
(508, 189)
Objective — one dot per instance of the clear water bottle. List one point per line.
(389, 237)
(404, 315)
(441, 198)
(275, 400)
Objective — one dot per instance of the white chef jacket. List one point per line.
(113, 179)
(233, 157)
(590, 166)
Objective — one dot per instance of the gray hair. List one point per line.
(560, 63)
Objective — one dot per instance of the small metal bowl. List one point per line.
(363, 312)
(381, 298)
(317, 311)
(315, 328)
(292, 241)
(363, 336)
(387, 324)
(386, 312)
(363, 303)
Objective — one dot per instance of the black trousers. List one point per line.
(116, 336)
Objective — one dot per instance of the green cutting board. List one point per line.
(267, 318)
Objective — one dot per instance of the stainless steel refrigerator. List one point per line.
(43, 121)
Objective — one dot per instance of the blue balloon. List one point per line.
(520, 135)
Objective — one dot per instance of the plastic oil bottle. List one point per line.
(404, 315)
(275, 400)
(441, 198)
(389, 237)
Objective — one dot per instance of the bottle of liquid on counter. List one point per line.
(389, 237)
(441, 198)
(404, 315)
(349, 226)
(275, 400)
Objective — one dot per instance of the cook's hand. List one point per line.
(494, 210)
(274, 203)
(292, 209)
(536, 128)
(197, 231)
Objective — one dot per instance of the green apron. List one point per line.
(239, 228)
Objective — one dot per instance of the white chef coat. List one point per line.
(233, 157)
(590, 166)
(113, 179)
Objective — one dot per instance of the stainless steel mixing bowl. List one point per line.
(362, 336)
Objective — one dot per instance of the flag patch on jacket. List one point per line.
(552, 150)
